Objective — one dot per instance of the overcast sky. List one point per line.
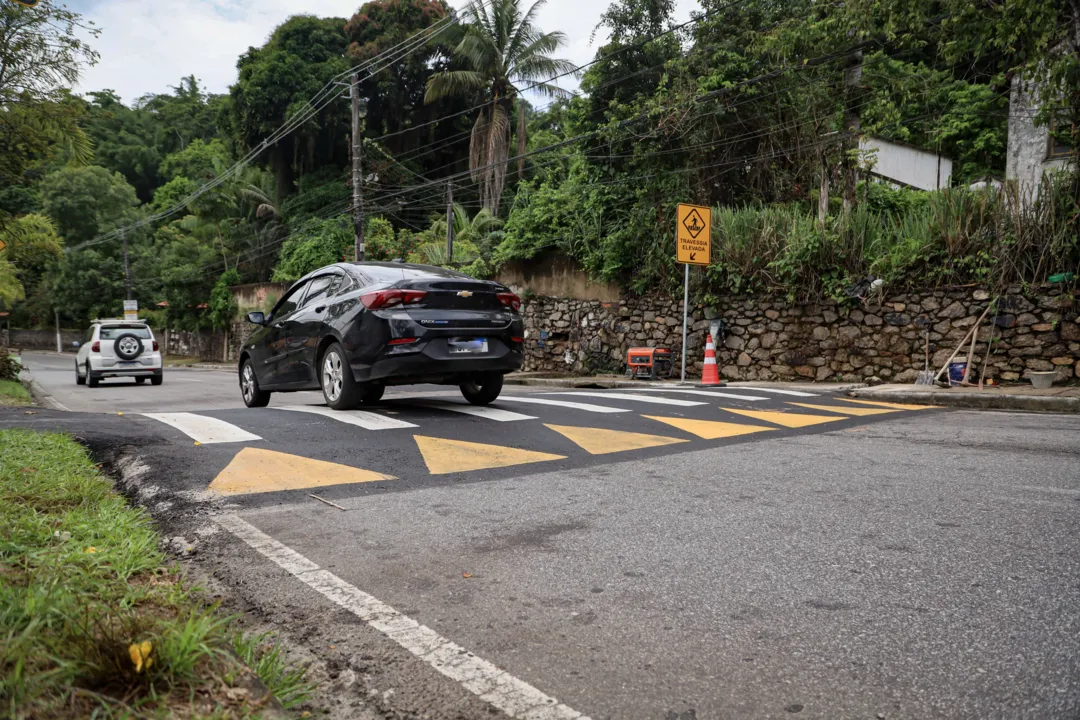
(146, 46)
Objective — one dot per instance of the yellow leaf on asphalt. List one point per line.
(466, 575)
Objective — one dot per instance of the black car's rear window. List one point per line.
(114, 331)
(382, 273)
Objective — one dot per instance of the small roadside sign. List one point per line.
(693, 234)
(131, 309)
(2, 244)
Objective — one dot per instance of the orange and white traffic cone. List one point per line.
(709, 375)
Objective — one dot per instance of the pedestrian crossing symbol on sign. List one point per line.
(693, 223)
(693, 234)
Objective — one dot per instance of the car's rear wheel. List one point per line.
(79, 379)
(340, 389)
(249, 387)
(91, 381)
(483, 389)
(159, 378)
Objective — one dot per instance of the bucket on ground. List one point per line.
(956, 370)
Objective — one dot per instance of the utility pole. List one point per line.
(127, 266)
(357, 171)
(449, 222)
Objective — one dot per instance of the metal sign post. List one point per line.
(693, 243)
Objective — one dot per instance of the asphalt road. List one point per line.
(663, 561)
(182, 389)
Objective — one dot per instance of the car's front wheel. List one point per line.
(140, 380)
(483, 389)
(340, 389)
(249, 387)
(79, 379)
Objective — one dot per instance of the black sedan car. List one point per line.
(351, 329)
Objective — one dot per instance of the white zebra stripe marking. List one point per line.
(488, 413)
(634, 398)
(778, 391)
(202, 429)
(587, 407)
(513, 696)
(707, 393)
(360, 418)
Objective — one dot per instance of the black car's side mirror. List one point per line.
(257, 318)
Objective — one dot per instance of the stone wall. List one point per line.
(40, 339)
(769, 339)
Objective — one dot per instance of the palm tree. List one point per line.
(499, 46)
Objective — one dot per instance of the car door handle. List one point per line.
(320, 308)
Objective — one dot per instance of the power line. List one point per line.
(310, 108)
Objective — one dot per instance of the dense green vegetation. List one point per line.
(754, 107)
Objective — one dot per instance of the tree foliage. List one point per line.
(499, 48)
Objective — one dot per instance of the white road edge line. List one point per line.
(513, 696)
(202, 428)
(796, 393)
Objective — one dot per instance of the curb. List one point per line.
(38, 393)
(976, 401)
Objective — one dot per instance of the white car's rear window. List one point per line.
(114, 331)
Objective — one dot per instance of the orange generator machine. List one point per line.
(649, 363)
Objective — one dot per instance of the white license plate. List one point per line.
(127, 364)
(466, 346)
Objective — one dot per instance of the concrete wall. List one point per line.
(1026, 158)
(908, 165)
(769, 339)
(555, 275)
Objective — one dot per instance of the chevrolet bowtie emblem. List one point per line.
(465, 293)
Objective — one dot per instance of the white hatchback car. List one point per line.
(115, 348)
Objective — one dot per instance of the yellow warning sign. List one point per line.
(693, 234)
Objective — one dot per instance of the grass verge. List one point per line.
(12, 393)
(92, 623)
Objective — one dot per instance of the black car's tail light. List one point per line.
(510, 300)
(517, 339)
(402, 341)
(389, 298)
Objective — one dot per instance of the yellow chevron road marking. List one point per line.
(255, 470)
(450, 456)
(599, 441)
(710, 429)
(791, 420)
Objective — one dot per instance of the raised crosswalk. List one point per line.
(320, 447)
